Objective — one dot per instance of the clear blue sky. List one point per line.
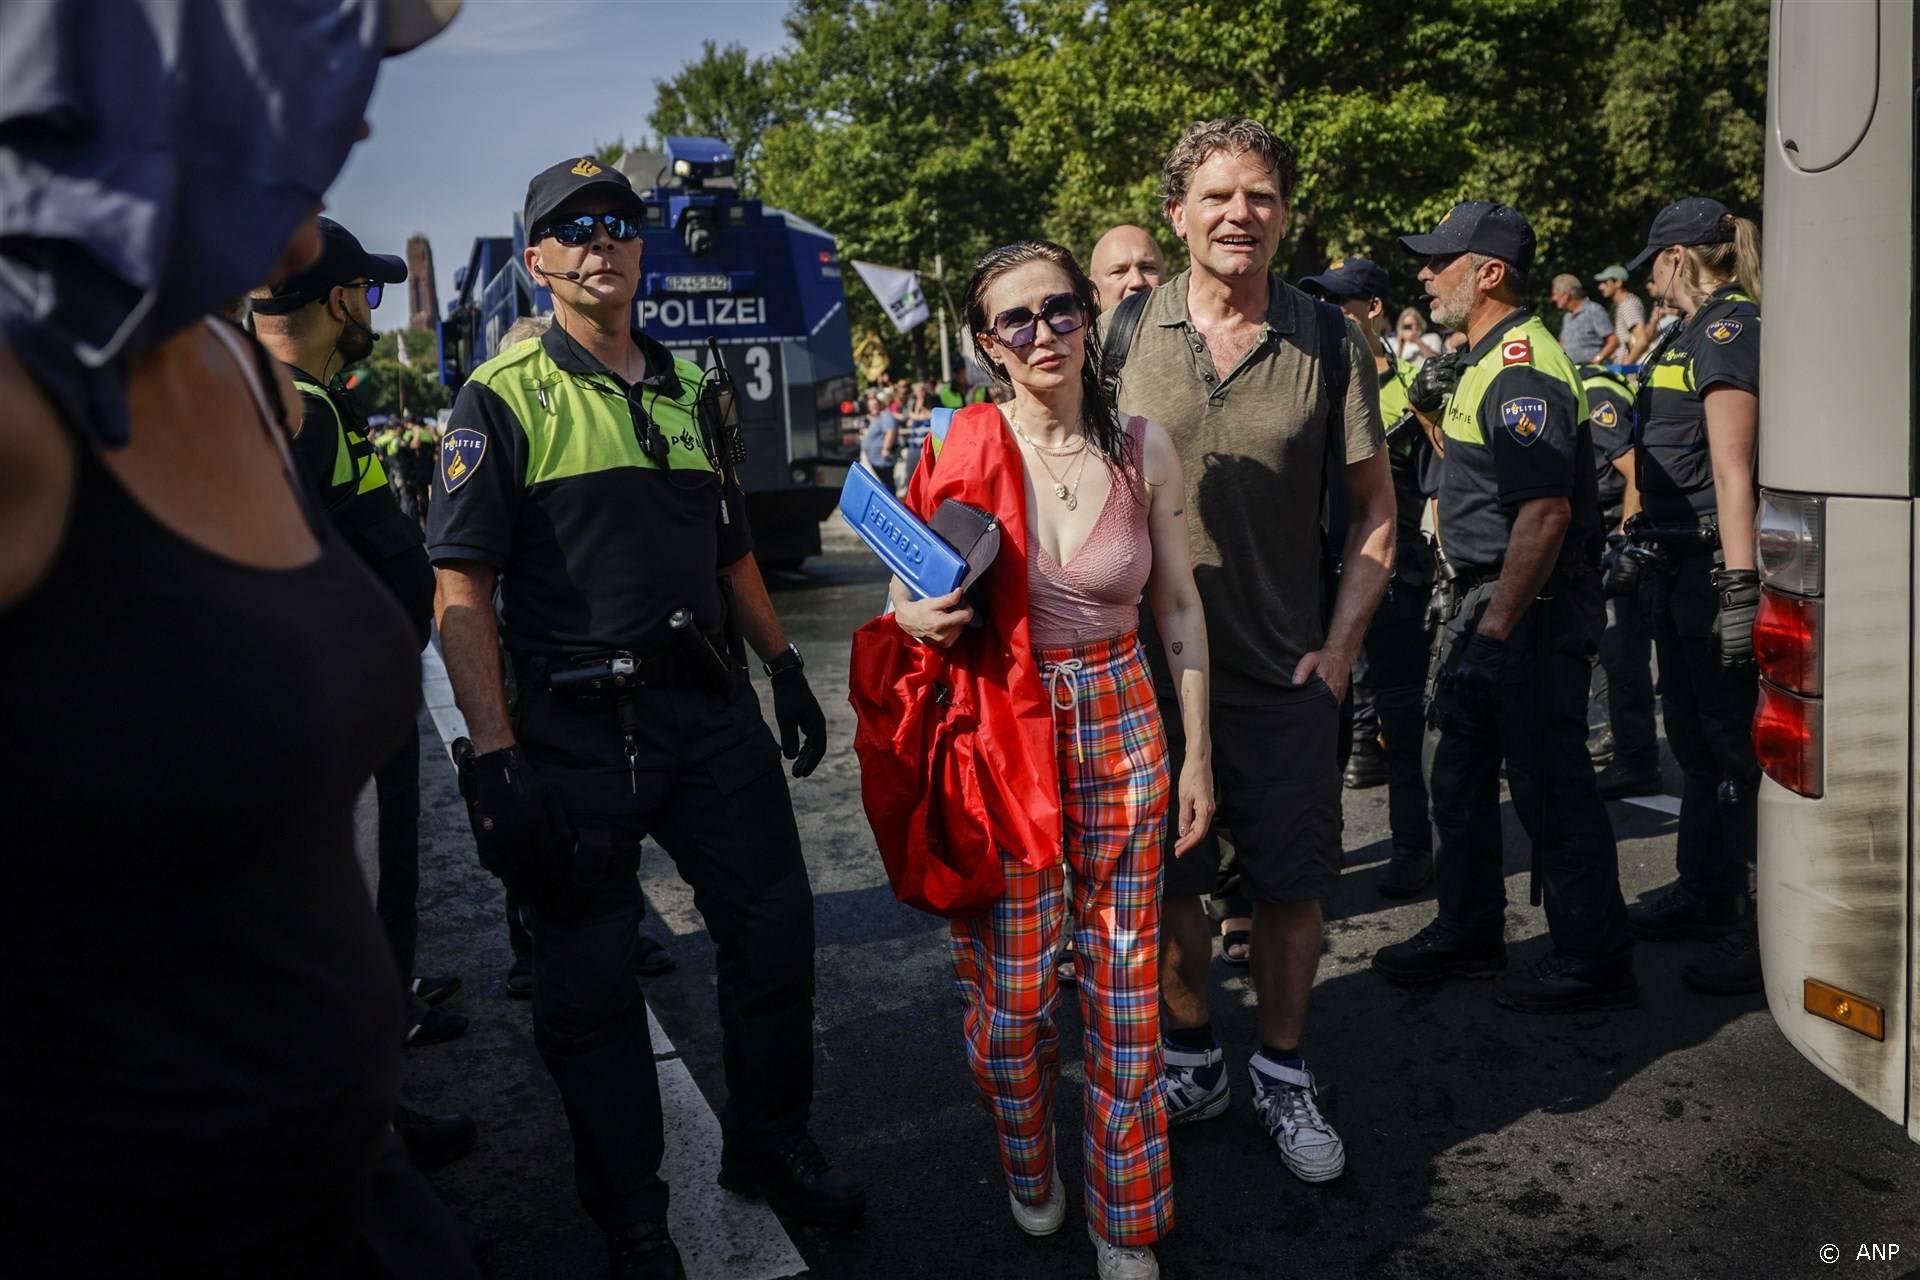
(460, 124)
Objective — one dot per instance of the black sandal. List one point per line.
(1236, 946)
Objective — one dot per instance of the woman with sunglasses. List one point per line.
(1102, 523)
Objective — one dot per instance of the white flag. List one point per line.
(899, 294)
(400, 350)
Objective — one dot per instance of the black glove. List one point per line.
(1469, 688)
(1434, 383)
(797, 712)
(1739, 592)
(1619, 567)
(519, 829)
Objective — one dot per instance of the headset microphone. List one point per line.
(556, 275)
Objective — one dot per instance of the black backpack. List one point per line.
(1335, 373)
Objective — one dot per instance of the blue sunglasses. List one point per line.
(578, 231)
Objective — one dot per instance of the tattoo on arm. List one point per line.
(1179, 646)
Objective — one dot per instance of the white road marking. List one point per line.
(1659, 804)
(721, 1236)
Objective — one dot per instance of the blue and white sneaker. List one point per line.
(1289, 1106)
(1196, 1083)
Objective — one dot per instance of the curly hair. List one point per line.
(1235, 135)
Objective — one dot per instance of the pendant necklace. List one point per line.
(1070, 496)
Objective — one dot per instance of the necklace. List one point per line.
(1070, 496)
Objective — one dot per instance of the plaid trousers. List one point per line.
(1114, 790)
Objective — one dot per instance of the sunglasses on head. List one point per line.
(579, 230)
(373, 292)
(1015, 326)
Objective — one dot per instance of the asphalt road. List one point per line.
(1682, 1139)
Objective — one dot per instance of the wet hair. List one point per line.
(1235, 135)
(1737, 260)
(1099, 382)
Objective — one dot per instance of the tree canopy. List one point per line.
(911, 128)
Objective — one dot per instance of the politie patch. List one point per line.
(460, 455)
(1525, 418)
(1605, 416)
(1724, 331)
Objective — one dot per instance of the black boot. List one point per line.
(1408, 874)
(1619, 780)
(651, 960)
(643, 1251)
(432, 1141)
(1732, 968)
(798, 1182)
(1439, 952)
(435, 990)
(1676, 912)
(1560, 983)
(1367, 766)
(520, 976)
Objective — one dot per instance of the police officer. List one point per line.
(954, 394)
(1389, 709)
(1623, 678)
(1520, 520)
(319, 324)
(594, 475)
(1696, 424)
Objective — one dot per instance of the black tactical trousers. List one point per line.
(709, 788)
(1539, 727)
(1709, 717)
(1624, 684)
(1397, 650)
(397, 785)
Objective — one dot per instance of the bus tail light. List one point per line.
(1786, 641)
(1786, 738)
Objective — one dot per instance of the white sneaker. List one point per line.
(1116, 1263)
(1289, 1106)
(1041, 1219)
(1196, 1083)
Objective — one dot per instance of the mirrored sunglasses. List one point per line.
(578, 231)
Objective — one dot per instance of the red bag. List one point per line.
(956, 746)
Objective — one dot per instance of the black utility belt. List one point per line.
(1678, 535)
(1466, 581)
(602, 676)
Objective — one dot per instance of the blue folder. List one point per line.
(920, 557)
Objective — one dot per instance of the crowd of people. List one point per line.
(1224, 502)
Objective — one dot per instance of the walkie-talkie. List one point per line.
(720, 399)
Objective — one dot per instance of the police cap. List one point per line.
(341, 261)
(1695, 220)
(1478, 226)
(1349, 278)
(553, 187)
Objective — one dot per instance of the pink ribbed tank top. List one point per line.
(1096, 594)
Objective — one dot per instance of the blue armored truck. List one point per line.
(762, 284)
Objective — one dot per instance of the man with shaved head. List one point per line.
(1125, 261)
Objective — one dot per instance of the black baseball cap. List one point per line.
(1349, 278)
(341, 261)
(1478, 226)
(1695, 220)
(553, 187)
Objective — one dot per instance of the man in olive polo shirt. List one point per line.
(1227, 359)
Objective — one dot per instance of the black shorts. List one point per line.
(1276, 772)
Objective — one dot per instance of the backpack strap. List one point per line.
(1336, 373)
(1121, 327)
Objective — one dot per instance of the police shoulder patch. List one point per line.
(1516, 351)
(1524, 417)
(1605, 416)
(1724, 331)
(460, 456)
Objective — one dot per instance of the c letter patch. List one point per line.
(1519, 351)
(460, 455)
(1525, 418)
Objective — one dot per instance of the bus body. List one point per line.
(1840, 610)
(763, 284)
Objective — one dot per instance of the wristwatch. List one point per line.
(788, 660)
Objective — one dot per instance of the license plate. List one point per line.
(696, 284)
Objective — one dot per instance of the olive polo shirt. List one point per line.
(1253, 446)
(542, 476)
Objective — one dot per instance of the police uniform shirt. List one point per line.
(1610, 415)
(1407, 454)
(1719, 346)
(542, 476)
(1516, 430)
(342, 475)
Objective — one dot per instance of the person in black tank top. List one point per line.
(201, 1065)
